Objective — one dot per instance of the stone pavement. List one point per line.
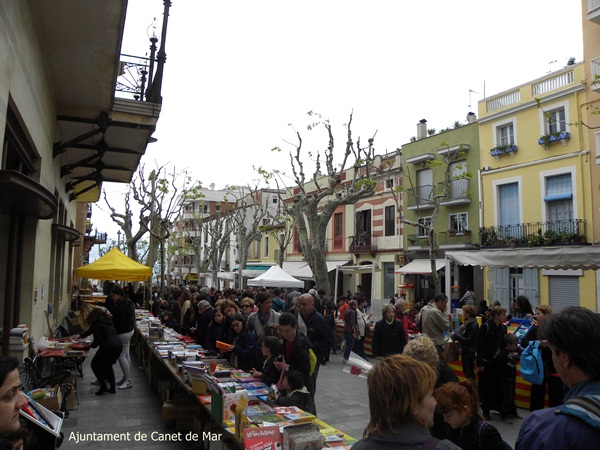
(341, 401)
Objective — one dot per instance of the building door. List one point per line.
(388, 279)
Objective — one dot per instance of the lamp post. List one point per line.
(119, 239)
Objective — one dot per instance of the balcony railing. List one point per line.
(363, 243)
(133, 76)
(417, 240)
(457, 191)
(564, 232)
(552, 83)
(503, 101)
(420, 197)
(454, 239)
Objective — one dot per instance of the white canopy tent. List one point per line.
(276, 277)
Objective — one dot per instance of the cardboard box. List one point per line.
(199, 387)
(52, 402)
(180, 410)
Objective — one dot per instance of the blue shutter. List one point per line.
(508, 202)
(531, 286)
(501, 286)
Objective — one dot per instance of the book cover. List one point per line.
(230, 402)
(262, 438)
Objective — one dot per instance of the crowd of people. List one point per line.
(415, 399)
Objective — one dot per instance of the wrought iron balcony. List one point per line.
(534, 234)
(363, 243)
(133, 76)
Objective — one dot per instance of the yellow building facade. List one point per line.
(536, 191)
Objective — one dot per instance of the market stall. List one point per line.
(114, 266)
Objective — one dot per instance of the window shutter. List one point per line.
(531, 286)
(501, 286)
(564, 291)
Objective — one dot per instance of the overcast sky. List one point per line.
(238, 72)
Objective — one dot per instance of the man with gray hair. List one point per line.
(571, 336)
(435, 321)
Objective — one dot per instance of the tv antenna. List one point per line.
(550, 65)
(471, 91)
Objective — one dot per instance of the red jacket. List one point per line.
(409, 327)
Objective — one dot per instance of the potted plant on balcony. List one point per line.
(452, 232)
(547, 139)
(500, 149)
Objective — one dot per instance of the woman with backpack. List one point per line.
(552, 381)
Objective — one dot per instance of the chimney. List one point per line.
(212, 186)
(422, 129)
(471, 117)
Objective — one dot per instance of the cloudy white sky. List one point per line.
(239, 72)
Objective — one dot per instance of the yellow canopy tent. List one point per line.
(115, 266)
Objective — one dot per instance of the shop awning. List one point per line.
(226, 275)
(190, 276)
(584, 257)
(302, 271)
(298, 269)
(421, 266)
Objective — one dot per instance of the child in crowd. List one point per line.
(465, 427)
(270, 347)
(297, 394)
(509, 356)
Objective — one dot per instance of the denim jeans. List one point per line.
(349, 344)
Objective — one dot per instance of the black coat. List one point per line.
(303, 400)
(468, 337)
(319, 334)
(106, 339)
(270, 374)
(202, 323)
(300, 359)
(490, 341)
(124, 316)
(214, 333)
(244, 351)
(388, 339)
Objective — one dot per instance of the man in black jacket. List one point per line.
(314, 326)
(124, 321)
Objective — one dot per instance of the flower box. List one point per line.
(547, 139)
(502, 149)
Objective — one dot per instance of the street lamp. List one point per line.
(119, 239)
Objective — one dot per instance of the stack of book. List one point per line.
(19, 337)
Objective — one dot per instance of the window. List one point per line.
(424, 225)
(389, 184)
(390, 220)
(559, 199)
(556, 121)
(506, 134)
(363, 222)
(424, 186)
(459, 222)
(205, 208)
(459, 184)
(274, 199)
(266, 247)
(338, 231)
(508, 210)
(217, 207)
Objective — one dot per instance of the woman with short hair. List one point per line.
(401, 406)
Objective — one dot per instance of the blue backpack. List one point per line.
(532, 366)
